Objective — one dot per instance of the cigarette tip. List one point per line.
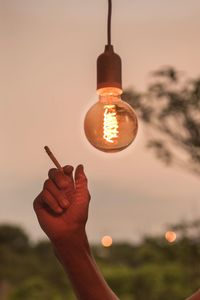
(47, 148)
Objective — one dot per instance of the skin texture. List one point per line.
(62, 212)
(62, 206)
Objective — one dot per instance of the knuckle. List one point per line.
(57, 175)
(44, 194)
(54, 205)
(56, 194)
(61, 181)
(52, 173)
(47, 183)
(60, 197)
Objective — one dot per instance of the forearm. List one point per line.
(86, 279)
(196, 296)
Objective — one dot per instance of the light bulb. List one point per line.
(110, 124)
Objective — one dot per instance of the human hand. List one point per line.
(62, 206)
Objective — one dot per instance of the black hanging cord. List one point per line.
(109, 65)
(109, 21)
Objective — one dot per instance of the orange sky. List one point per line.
(48, 52)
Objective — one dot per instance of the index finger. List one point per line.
(59, 178)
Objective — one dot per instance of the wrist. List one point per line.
(69, 237)
(71, 243)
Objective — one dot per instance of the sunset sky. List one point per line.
(48, 52)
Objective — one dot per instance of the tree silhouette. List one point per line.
(14, 237)
(170, 109)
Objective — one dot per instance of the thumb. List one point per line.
(82, 193)
(80, 177)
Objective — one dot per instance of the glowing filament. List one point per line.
(110, 125)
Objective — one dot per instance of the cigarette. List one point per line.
(52, 157)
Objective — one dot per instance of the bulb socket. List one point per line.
(109, 69)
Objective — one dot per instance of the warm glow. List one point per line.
(107, 241)
(170, 236)
(110, 125)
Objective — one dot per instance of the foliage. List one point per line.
(33, 289)
(153, 269)
(170, 109)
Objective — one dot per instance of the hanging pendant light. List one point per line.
(110, 124)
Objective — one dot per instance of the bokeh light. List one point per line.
(170, 236)
(106, 241)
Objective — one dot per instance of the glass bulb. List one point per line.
(110, 124)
